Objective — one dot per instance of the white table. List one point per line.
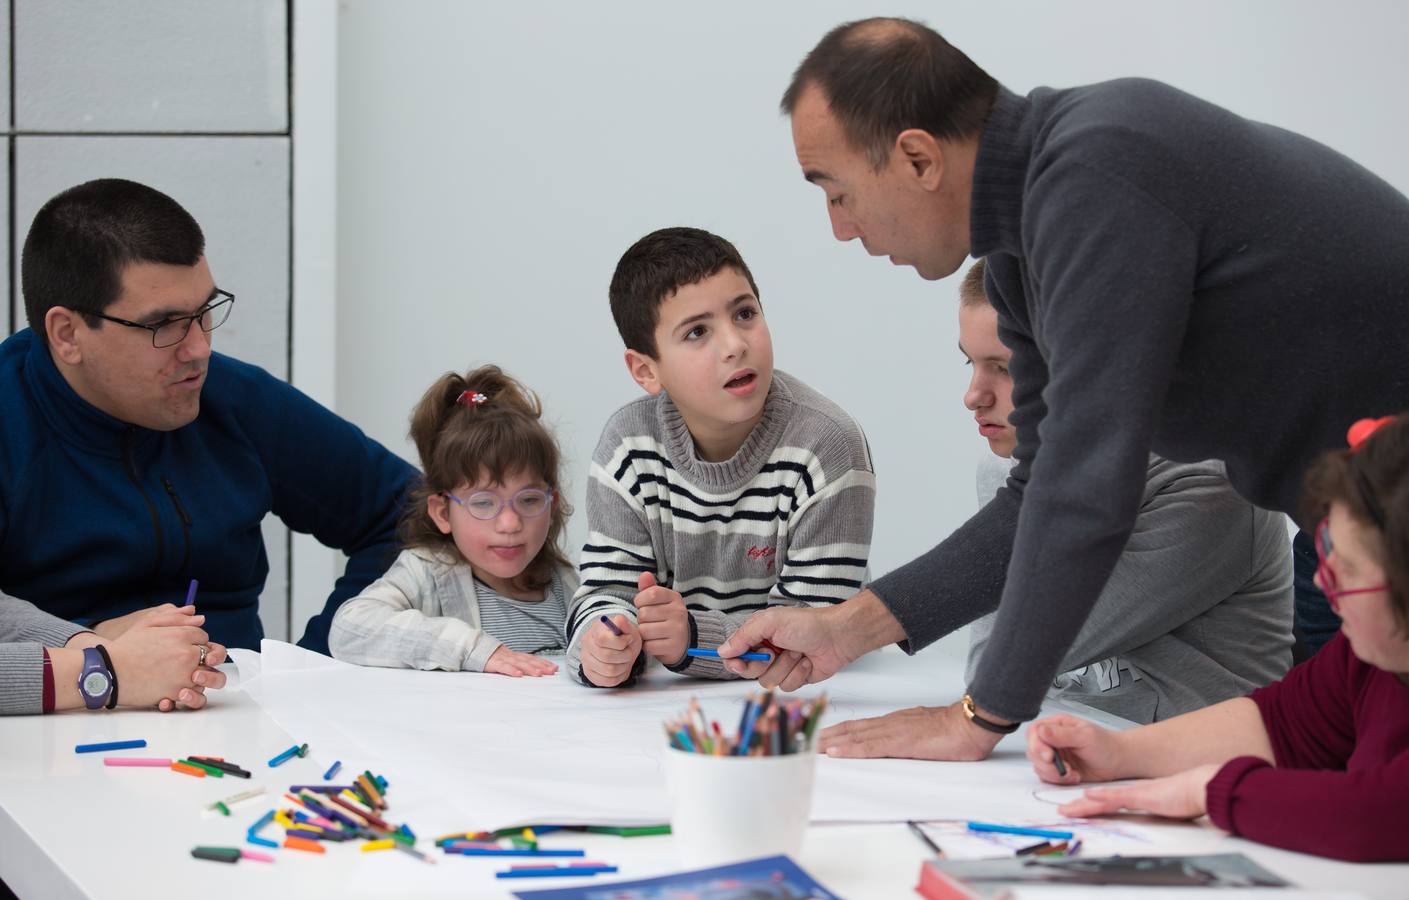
(72, 828)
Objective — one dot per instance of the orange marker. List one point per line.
(188, 770)
(297, 843)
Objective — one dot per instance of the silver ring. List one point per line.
(205, 649)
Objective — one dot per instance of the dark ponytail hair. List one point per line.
(465, 442)
(1372, 482)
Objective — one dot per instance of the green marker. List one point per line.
(640, 831)
(209, 770)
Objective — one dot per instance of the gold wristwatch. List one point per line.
(972, 715)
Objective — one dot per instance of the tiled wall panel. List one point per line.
(151, 66)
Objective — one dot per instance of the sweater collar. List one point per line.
(74, 419)
(1000, 177)
(744, 464)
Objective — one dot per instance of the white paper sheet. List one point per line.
(480, 751)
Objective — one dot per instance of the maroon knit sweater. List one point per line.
(1339, 729)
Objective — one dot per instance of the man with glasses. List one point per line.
(137, 460)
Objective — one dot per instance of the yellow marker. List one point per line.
(283, 819)
(377, 845)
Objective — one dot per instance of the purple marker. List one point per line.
(191, 593)
(612, 625)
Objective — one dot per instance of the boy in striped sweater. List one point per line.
(730, 488)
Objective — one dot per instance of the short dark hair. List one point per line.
(658, 265)
(882, 76)
(1372, 482)
(82, 239)
(971, 290)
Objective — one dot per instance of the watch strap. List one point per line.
(112, 675)
(971, 713)
(47, 703)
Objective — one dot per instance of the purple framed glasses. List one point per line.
(530, 503)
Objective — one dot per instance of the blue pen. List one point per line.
(191, 593)
(751, 716)
(714, 654)
(684, 736)
(548, 873)
(743, 719)
(1014, 829)
(476, 851)
(263, 820)
(111, 745)
(612, 625)
(284, 757)
(332, 770)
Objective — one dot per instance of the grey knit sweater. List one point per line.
(24, 631)
(785, 521)
(1171, 278)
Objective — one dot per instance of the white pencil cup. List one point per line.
(728, 808)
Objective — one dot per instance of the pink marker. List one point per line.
(473, 845)
(256, 856)
(136, 761)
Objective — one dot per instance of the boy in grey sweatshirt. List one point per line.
(730, 488)
(1199, 607)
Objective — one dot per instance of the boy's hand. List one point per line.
(665, 623)
(607, 658)
(514, 664)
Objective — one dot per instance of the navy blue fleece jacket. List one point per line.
(99, 518)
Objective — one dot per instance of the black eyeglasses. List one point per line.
(170, 332)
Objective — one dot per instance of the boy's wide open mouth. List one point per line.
(740, 381)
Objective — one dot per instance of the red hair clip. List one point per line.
(1362, 429)
(471, 398)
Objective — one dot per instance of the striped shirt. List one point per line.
(528, 626)
(786, 521)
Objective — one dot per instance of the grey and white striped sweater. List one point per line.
(786, 521)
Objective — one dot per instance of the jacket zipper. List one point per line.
(137, 482)
(185, 522)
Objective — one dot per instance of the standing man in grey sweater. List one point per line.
(1170, 277)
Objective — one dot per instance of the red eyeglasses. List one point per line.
(1330, 585)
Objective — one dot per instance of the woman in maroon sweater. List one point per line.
(1319, 761)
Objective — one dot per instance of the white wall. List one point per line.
(495, 161)
(190, 97)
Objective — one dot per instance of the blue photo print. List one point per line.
(770, 878)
